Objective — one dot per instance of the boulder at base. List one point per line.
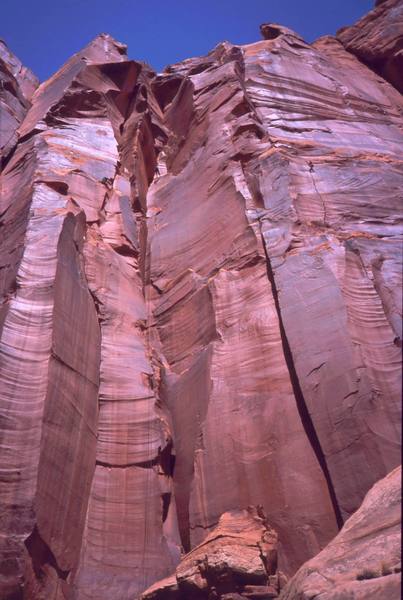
(363, 561)
(238, 559)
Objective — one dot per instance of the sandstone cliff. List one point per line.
(200, 279)
(238, 560)
(364, 559)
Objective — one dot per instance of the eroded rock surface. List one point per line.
(266, 226)
(239, 557)
(377, 40)
(364, 560)
(200, 277)
(80, 433)
(17, 85)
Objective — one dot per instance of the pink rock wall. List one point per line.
(201, 310)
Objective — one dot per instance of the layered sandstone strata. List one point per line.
(201, 306)
(80, 432)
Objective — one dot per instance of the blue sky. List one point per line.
(45, 33)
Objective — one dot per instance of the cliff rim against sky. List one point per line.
(200, 283)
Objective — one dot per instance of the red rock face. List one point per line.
(238, 556)
(77, 374)
(17, 85)
(364, 559)
(377, 39)
(201, 311)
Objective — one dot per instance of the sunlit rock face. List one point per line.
(200, 276)
(364, 559)
(239, 556)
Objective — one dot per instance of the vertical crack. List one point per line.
(299, 397)
(312, 171)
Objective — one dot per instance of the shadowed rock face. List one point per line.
(377, 40)
(200, 277)
(17, 85)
